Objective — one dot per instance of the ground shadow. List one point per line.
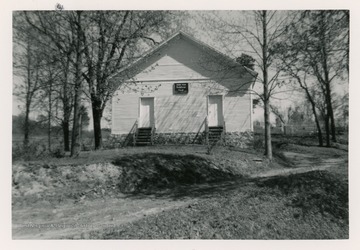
(320, 190)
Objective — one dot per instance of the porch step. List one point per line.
(143, 137)
(215, 134)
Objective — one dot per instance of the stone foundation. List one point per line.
(239, 139)
(179, 138)
(231, 139)
(118, 141)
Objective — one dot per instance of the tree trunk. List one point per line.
(268, 147)
(66, 108)
(332, 119)
(313, 107)
(329, 109)
(80, 131)
(327, 129)
(66, 133)
(28, 95)
(75, 138)
(97, 115)
(321, 143)
(26, 125)
(49, 118)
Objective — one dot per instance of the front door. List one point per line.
(146, 112)
(215, 111)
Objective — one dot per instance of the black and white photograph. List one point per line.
(180, 124)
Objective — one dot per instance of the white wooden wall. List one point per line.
(183, 61)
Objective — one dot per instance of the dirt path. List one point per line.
(75, 221)
(303, 163)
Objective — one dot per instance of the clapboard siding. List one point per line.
(180, 113)
(124, 112)
(182, 61)
(237, 113)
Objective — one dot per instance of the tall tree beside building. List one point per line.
(93, 46)
(113, 39)
(259, 32)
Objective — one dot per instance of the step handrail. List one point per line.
(136, 126)
(223, 133)
(207, 130)
(153, 129)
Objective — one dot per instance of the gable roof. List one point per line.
(190, 38)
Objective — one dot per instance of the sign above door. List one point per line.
(181, 88)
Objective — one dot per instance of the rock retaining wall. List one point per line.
(232, 139)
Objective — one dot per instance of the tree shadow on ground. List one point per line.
(202, 190)
(322, 191)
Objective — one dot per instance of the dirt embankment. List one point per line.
(34, 182)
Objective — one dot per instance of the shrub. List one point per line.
(58, 152)
(31, 151)
(258, 142)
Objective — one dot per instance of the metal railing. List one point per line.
(153, 129)
(223, 133)
(200, 130)
(207, 130)
(136, 125)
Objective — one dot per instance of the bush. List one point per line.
(258, 142)
(58, 152)
(31, 151)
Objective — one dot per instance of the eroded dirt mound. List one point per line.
(145, 172)
(54, 184)
(34, 182)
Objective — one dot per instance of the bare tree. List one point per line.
(94, 45)
(316, 51)
(27, 65)
(66, 97)
(63, 31)
(259, 32)
(112, 39)
(75, 24)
